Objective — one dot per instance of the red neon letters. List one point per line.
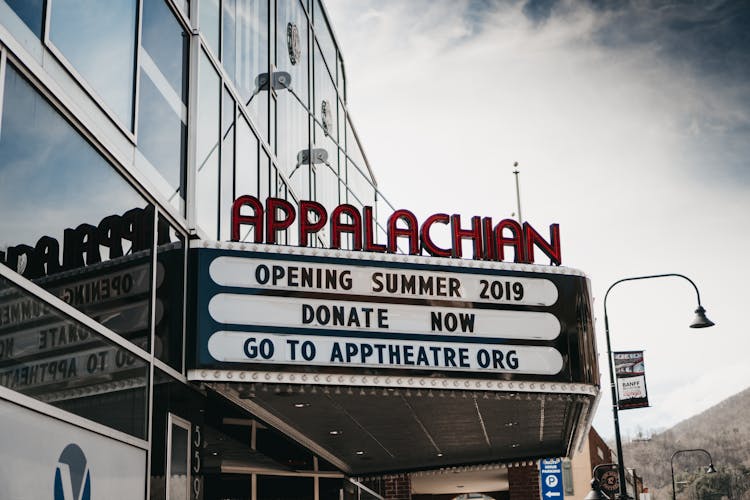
(347, 224)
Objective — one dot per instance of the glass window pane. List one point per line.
(70, 222)
(184, 401)
(95, 35)
(247, 161)
(325, 189)
(31, 13)
(166, 45)
(246, 30)
(285, 488)
(291, 48)
(61, 362)
(162, 109)
(229, 36)
(226, 196)
(326, 99)
(170, 289)
(264, 177)
(184, 6)
(207, 151)
(209, 23)
(178, 464)
(324, 37)
(283, 450)
(330, 489)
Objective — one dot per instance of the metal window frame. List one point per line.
(174, 420)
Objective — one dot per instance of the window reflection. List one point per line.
(31, 13)
(207, 151)
(246, 170)
(70, 222)
(184, 401)
(292, 50)
(226, 194)
(324, 37)
(326, 170)
(178, 464)
(209, 23)
(59, 361)
(170, 289)
(98, 38)
(162, 118)
(245, 57)
(325, 97)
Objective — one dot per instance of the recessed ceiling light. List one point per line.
(515, 445)
(359, 452)
(301, 405)
(214, 453)
(335, 432)
(440, 454)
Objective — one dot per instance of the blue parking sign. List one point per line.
(550, 474)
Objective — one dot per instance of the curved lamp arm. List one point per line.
(650, 276)
(700, 322)
(709, 470)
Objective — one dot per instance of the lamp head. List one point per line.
(710, 469)
(700, 320)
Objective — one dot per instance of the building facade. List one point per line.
(136, 137)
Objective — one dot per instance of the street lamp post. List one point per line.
(700, 321)
(709, 470)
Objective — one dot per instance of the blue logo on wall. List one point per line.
(72, 476)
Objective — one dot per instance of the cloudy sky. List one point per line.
(631, 126)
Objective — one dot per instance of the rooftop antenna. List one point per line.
(518, 193)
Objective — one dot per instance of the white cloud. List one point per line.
(612, 143)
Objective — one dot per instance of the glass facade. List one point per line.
(145, 121)
(92, 36)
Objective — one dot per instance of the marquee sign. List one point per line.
(324, 308)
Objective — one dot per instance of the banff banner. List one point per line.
(631, 380)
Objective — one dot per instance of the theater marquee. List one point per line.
(286, 306)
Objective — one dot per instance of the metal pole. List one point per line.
(671, 464)
(613, 388)
(615, 402)
(518, 194)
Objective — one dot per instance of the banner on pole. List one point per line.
(631, 380)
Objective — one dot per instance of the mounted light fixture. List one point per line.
(278, 80)
(700, 321)
(304, 157)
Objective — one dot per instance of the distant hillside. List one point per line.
(723, 430)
